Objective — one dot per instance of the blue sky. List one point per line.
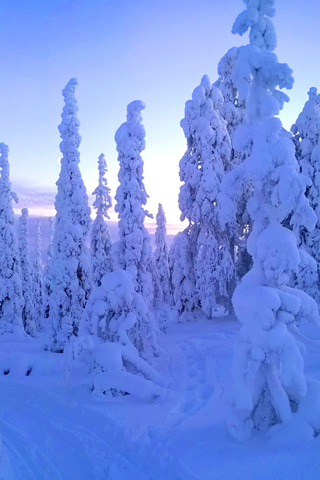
(122, 50)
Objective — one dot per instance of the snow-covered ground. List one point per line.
(57, 431)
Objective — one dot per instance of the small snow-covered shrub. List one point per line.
(108, 339)
(116, 312)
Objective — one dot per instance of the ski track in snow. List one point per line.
(198, 388)
(43, 445)
(50, 433)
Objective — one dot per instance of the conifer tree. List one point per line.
(102, 262)
(10, 273)
(268, 362)
(28, 311)
(47, 273)
(111, 316)
(161, 255)
(232, 109)
(233, 112)
(306, 138)
(134, 251)
(202, 168)
(70, 266)
(181, 261)
(38, 282)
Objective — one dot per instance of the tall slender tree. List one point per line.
(102, 262)
(182, 260)
(161, 255)
(134, 251)
(203, 167)
(306, 138)
(28, 312)
(70, 267)
(47, 272)
(10, 273)
(233, 111)
(268, 362)
(38, 282)
(233, 107)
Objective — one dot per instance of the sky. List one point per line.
(120, 51)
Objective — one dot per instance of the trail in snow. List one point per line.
(54, 434)
(43, 445)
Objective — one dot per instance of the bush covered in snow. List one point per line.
(117, 318)
(116, 312)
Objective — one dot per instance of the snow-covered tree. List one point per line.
(181, 261)
(161, 255)
(233, 112)
(101, 258)
(10, 273)
(268, 362)
(38, 282)
(47, 273)
(111, 317)
(233, 107)
(204, 165)
(52, 221)
(157, 293)
(306, 132)
(28, 311)
(115, 311)
(70, 266)
(134, 250)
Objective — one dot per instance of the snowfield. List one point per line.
(57, 429)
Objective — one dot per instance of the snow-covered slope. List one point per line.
(57, 430)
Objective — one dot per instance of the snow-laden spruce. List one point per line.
(28, 311)
(233, 107)
(161, 255)
(38, 282)
(233, 112)
(47, 271)
(113, 319)
(134, 252)
(10, 273)
(70, 265)
(202, 169)
(306, 132)
(268, 361)
(181, 262)
(101, 259)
